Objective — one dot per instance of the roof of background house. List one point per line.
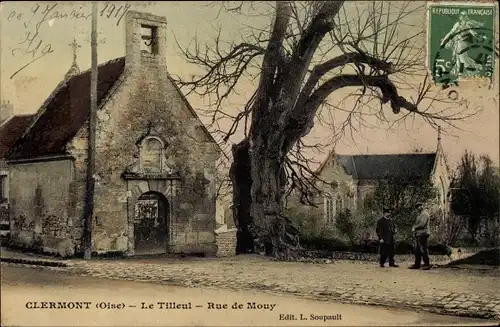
(382, 166)
(11, 130)
(66, 111)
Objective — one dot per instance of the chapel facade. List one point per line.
(155, 189)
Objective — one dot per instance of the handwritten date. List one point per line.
(33, 45)
(50, 12)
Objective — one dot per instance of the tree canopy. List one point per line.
(475, 192)
(400, 196)
(311, 60)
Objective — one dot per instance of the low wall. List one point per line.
(226, 241)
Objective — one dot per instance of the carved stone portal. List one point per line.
(151, 228)
(151, 185)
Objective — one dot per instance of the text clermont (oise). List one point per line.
(82, 305)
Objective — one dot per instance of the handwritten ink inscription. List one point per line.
(32, 45)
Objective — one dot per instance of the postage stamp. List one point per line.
(461, 42)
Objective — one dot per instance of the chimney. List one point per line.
(6, 111)
(145, 42)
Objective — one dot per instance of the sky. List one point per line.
(50, 55)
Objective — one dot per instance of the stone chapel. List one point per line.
(155, 160)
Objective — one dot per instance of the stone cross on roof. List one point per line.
(75, 46)
(74, 69)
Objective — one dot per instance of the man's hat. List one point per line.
(418, 204)
(386, 210)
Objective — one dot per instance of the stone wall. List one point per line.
(226, 242)
(39, 199)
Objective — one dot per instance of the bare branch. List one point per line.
(322, 69)
(300, 121)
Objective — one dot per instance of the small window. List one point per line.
(339, 205)
(3, 195)
(149, 39)
(329, 210)
(443, 191)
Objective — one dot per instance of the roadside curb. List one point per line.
(438, 308)
(432, 308)
(446, 306)
(34, 262)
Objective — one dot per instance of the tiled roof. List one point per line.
(382, 166)
(65, 112)
(12, 130)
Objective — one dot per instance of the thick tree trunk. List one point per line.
(258, 188)
(242, 182)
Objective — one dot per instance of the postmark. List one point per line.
(461, 43)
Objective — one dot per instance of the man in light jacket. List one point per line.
(421, 232)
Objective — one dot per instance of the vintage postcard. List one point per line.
(249, 163)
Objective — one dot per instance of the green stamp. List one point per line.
(461, 42)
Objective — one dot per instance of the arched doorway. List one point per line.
(151, 224)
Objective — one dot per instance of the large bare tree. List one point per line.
(308, 51)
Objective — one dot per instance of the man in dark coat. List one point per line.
(385, 233)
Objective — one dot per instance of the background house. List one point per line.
(346, 180)
(11, 129)
(155, 161)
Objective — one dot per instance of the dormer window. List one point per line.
(149, 39)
